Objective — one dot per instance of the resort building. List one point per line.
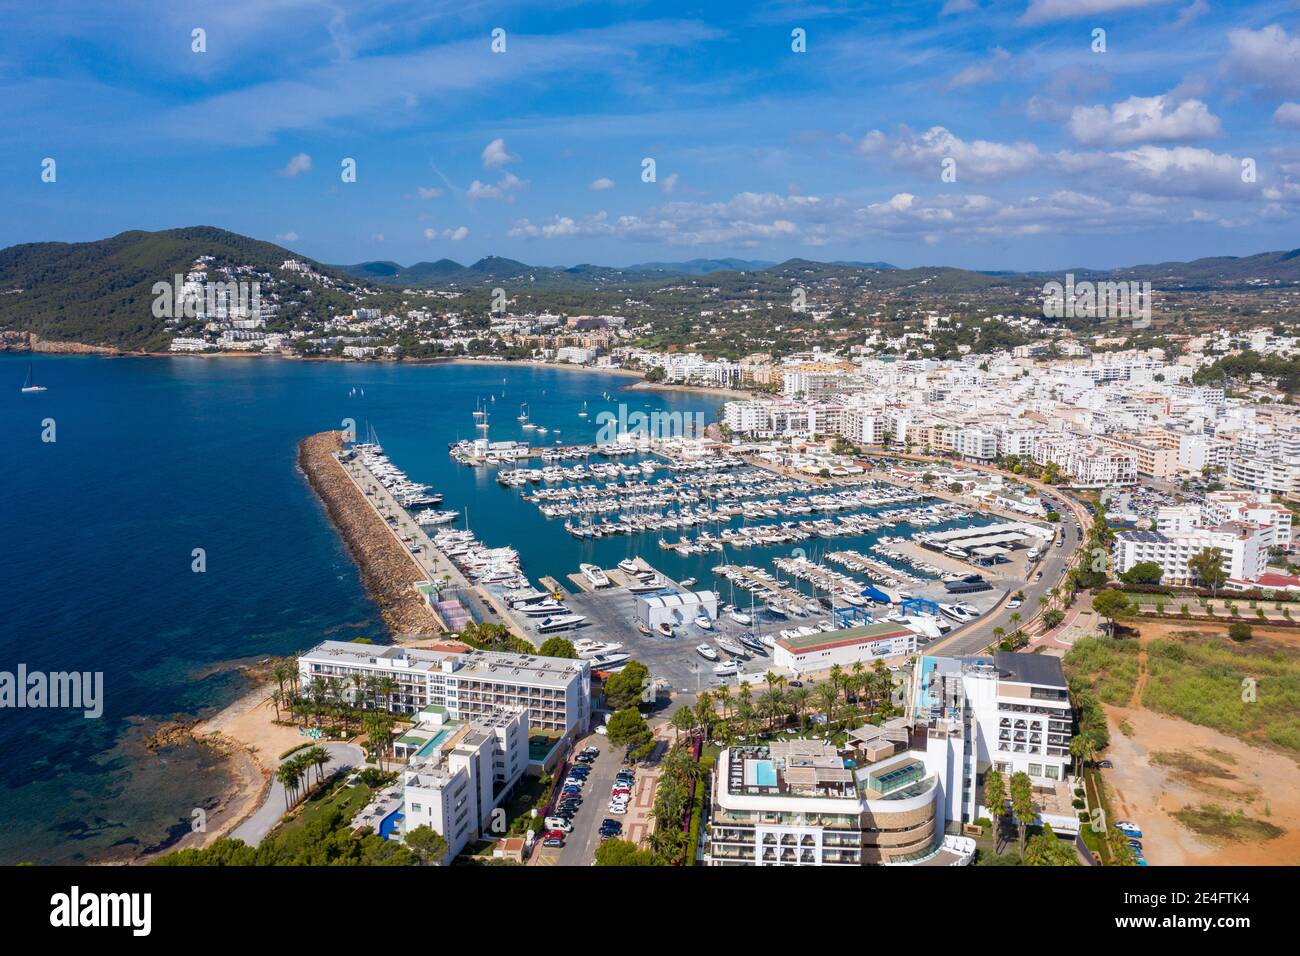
(1009, 712)
(470, 685)
(900, 793)
(804, 803)
(822, 651)
(1244, 547)
(460, 775)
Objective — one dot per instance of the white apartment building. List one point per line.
(1273, 476)
(1242, 545)
(470, 685)
(975, 444)
(1086, 464)
(456, 780)
(1221, 507)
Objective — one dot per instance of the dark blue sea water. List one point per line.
(155, 457)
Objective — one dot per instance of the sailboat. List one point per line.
(523, 412)
(583, 413)
(28, 384)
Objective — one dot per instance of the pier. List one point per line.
(388, 571)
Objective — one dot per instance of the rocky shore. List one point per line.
(31, 342)
(387, 571)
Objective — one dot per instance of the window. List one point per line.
(1052, 773)
(1035, 770)
(415, 808)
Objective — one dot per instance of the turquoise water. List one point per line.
(155, 457)
(428, 748)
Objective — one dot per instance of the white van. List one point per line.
(1033, 554)
(558, 823)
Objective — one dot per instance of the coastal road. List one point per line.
(973, 638)
(580, 846)
(260, 822)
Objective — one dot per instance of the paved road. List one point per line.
(259, 824)
(580, 846)
(978, 635)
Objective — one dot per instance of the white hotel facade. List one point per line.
(470, 685)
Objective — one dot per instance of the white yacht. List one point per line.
(707, 652)
(559, 622)
(629, 565)
(592, 648)
(727, 669)
(703, 623)
(605, 661)
(741, 618)
(597, 577)
(732, 647)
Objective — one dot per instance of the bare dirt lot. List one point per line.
(1167, 765)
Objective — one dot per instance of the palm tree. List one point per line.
(1084, 750)
(837, 677)
(723, 694)
(828, 696)
(287, 775)
(318, 757)
(995, 798)
(745, 714)
(796, 698)
(386, 686)
(276, 696)
(683, 721)
(770, 704)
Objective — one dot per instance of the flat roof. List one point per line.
(843, 638)
(1030, 668)
(479, 665)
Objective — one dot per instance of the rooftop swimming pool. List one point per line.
(432, 744)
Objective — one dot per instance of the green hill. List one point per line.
(100, 292)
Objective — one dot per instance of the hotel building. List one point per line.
(470, 685)
(898, 794)
(458, 777)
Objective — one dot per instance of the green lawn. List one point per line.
(349, 800)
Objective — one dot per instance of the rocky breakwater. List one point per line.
(387, 571)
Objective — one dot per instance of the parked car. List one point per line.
(558, 823)
(602, 730)
(614, 824)
(619, 808)
(552, 841)
(1105, 765)
(1135, 844)
(794, 683)
(1014, 603)
(1130, 830)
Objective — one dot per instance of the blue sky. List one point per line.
(1062, 156)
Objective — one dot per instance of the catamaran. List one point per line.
(28, 384)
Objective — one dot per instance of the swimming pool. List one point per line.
(429, 747)
(760, 773)
(390, 823)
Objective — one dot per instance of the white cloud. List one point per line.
(1143, 119)
(289, 236)
(925, 153)
(986, 72)
(1170, 171)
(454, 235)
(378, 237)
(1046, 11)
(669, 183)
(1269, 58)
(298, 164)
(1195, 9)
(495, 154)
(504, 189)
(604, 182)
(428, 192)
(1287, 115)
